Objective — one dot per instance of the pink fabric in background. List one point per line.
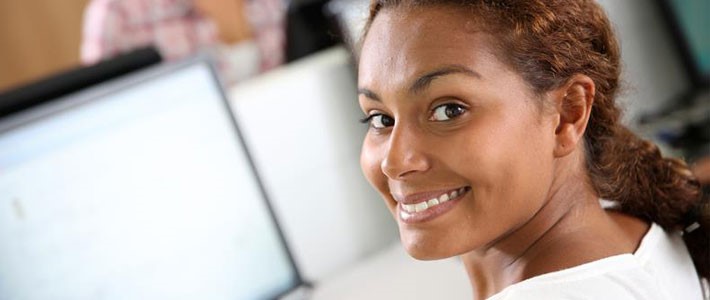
(112, 27)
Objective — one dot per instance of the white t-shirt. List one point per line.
(661, 268)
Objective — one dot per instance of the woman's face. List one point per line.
(458, 145)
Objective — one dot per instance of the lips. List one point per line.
(422, 207)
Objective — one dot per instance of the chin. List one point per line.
(421, 248)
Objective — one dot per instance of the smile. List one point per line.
(424, 205)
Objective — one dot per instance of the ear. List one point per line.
(573, 102)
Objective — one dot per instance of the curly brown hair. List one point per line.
(549, 41)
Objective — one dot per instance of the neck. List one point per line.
(567, 231)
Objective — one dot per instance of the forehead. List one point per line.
(403, 43)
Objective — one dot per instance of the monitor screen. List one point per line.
(690, 17)
(139, 188)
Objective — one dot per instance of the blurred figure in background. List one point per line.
(246, 36)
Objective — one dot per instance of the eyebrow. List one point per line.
(369, 94)
(425, 80)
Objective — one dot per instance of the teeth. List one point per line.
(421, 206)
(443, 198)
(408, 209)
(404, 215)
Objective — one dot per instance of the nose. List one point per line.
(405, 155)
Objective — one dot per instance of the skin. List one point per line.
(530, 209)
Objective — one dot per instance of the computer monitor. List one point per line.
(137, 188)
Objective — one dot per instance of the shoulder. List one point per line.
(665, 256)
(616, 277)
(660, 268)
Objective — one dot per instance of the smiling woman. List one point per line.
(494, 135)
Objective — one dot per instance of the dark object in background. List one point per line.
(67, 82)
(694, 139)
(309, 28)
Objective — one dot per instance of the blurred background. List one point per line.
(287, 71)
(664, 42)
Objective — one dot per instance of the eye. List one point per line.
(379, 121)
(447, 112)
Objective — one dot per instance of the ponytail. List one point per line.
(633, 172)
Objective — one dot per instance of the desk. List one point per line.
(392, 274)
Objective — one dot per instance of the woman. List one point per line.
(493, 135)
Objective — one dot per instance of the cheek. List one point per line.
(521, 166)
(371, 158)
(508, 164)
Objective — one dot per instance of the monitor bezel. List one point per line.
(77, 79)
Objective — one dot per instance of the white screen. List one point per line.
(145, 193)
